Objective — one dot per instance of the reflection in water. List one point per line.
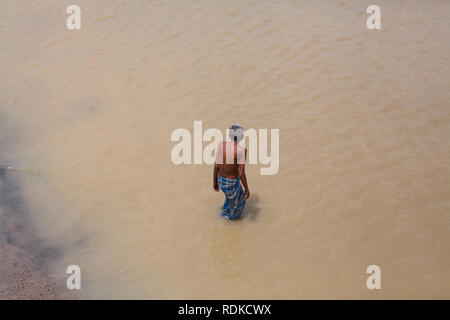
(226, 252)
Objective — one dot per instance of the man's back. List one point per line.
(229, 156)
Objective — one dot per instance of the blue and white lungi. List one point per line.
(234, 197)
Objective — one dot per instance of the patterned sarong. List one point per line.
(234, 197)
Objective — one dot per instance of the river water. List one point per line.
(364, 120)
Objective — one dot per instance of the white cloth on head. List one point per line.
(236, 131)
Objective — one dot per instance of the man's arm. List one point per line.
(219, 157)
(243, 177)
(215, 174)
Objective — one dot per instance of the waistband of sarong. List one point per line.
(227, 179)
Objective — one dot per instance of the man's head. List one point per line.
(236, 132)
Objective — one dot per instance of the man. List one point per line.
(229, 172)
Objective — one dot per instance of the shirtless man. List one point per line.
(229, 172)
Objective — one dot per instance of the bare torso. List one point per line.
(236, 153)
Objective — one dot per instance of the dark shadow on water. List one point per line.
(252, 210)
(16, 225)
